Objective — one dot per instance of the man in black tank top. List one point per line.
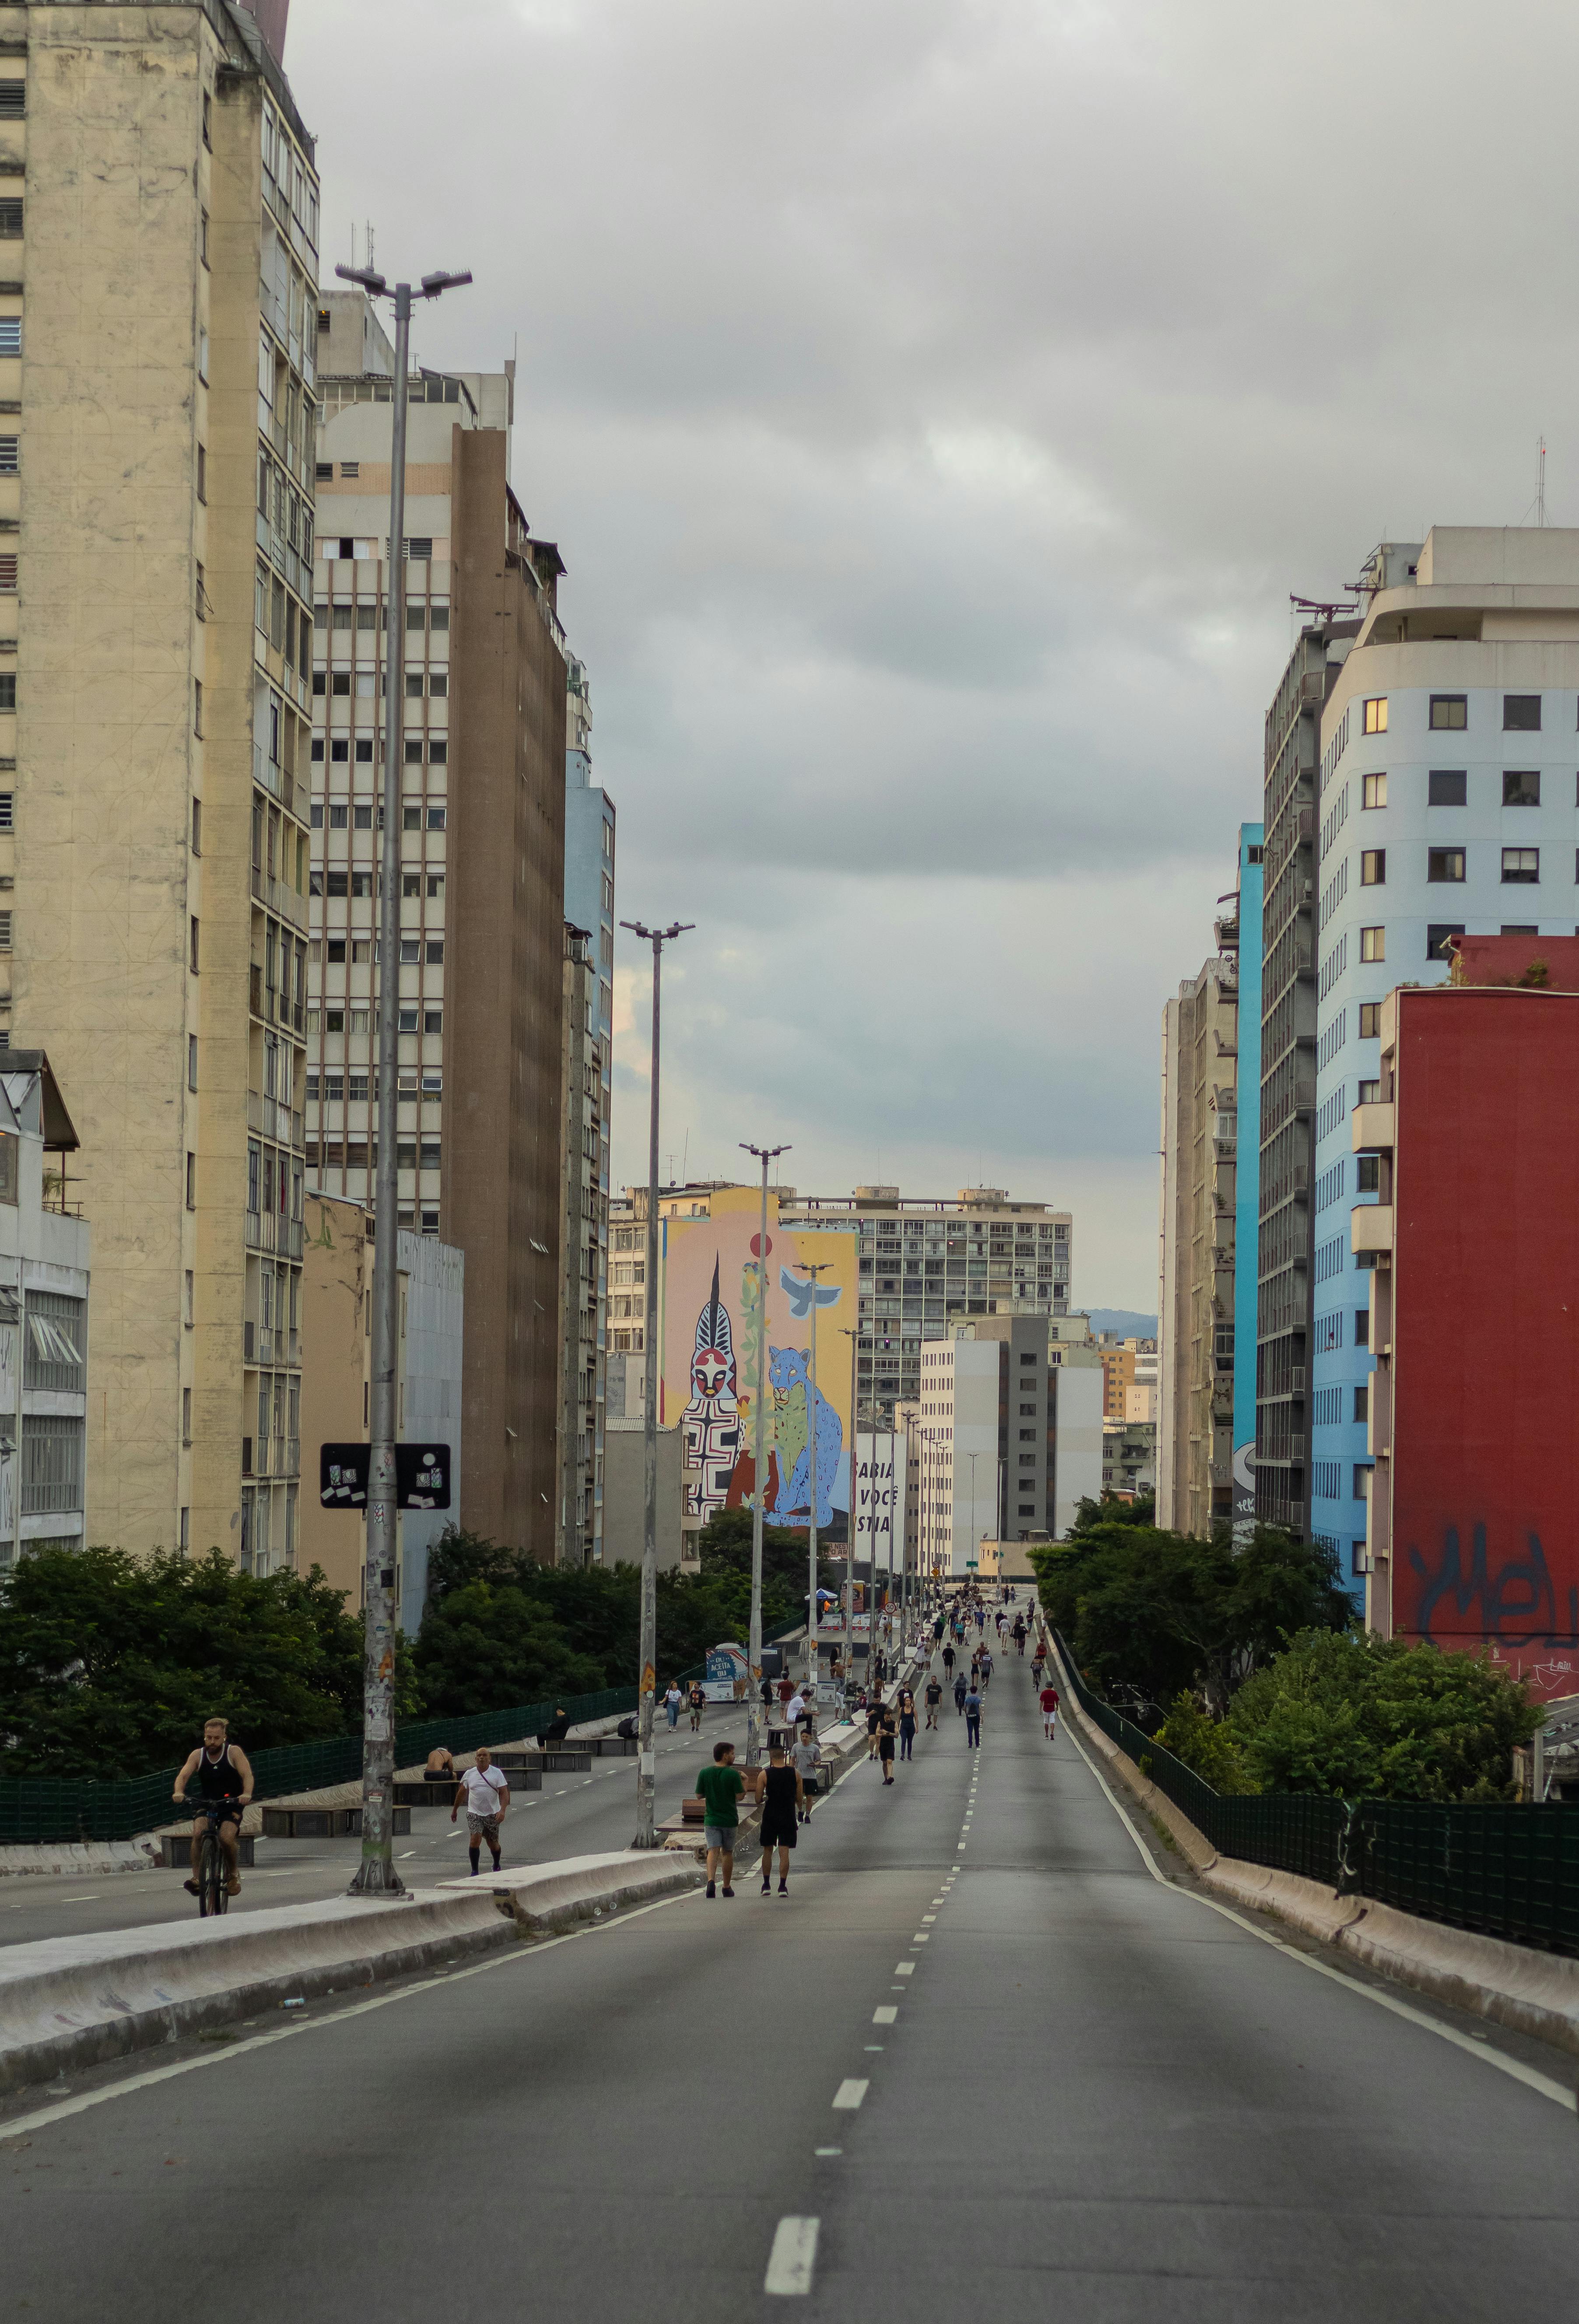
(221, 1772)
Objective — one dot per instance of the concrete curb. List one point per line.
(1515, 1985)
(77, 2001)
(23, 1859)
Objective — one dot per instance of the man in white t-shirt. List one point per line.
(797, 1705)
(486, 1789)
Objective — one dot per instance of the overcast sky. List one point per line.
(936, 402)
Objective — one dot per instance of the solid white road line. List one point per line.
(1513, 2066)
(793, 2256)
(849, 2094)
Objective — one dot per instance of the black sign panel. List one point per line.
(421, 1476)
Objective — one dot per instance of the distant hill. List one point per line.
(1125, 1322)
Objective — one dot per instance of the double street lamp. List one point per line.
(376, 1876)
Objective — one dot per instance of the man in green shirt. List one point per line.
(721, 1786)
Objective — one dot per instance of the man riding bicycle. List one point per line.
(225, 1779)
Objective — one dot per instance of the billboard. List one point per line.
(1484, 1333)
(714, 1284)
(880, 1474)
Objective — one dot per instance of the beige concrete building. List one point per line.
(583, 1086)
(1195, 1324)
(156, 380)
(482, 673)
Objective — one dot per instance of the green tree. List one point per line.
(1205, 1745)
(490, 1645)
(1373, 1717)
(110, 1663)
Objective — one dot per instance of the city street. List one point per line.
(980, 2062)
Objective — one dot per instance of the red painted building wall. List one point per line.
(1485, 1328)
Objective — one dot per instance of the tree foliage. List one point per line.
(109, 1664)
(1373, 1717)
(1163, 1613)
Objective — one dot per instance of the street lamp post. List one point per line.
(647, 1759)
(376, 1876)
(753, 1709)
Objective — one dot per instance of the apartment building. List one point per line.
(1008, 1437)
(1447, 804)
(1292, 758)
(481, 968)
(1129, 1378)
(1471, 1128)
(44, 1284)
(925, 1261)
(157, 379)
(582, 1201)
(589, 905)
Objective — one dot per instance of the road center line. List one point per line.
(793, 2256)
(849, 2094)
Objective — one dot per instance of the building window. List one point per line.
(1374, 791)
(208, 120)
(198, 708)
(1370, 1020)
(1373, 943)
(10, 221)
(1447, 787)
(1368, 1094)
(1373, 867)
(1520, 787)
(10, 456)
(1362, 1327)
(194, 946)
(13, 99)
(1439, 935)
(337, 818)
(10, 329)
(1368, 1172)
(1363, 1403)
(1362, 1480)
(192, 1182)
(51, 1462)
(185, 1415)
(1445, 864)
(1376, 716)
(1450, 712)
(192, 1061)
(436, 816)
(7, 807)
(203, 236)
(1521, 714)
(1520, 867)
(1520, 928)
(202, 471)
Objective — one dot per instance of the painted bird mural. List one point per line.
(801, 1294)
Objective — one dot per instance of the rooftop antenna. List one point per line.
(1540, 489)
(369, 261)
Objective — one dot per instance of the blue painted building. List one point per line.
(1247, 1182)
(589, 906)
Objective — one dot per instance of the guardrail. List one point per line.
(1504, 1871)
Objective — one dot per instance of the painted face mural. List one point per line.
(711, 1420)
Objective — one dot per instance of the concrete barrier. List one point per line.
(75, 2001)
(26, 1857)
(1516, 1986)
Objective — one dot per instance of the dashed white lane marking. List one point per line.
(793, 2256)
(922, 1937)
(927, 1917)
(885, 2015)
(849, 2094)
(905, 1968)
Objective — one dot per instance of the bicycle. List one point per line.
(213, 1874)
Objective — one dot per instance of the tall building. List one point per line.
(582, 1207)
(589, 905)
(1247, 1173)
(1008, 1437)
(482, 673)
(925, 1263)
(1292, 756)
(157, 366)
(1197, 1273)
(1447, 803)
(1471, 1135)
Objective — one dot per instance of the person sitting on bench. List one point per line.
(557, 1727)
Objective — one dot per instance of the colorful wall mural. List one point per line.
(714, 1282)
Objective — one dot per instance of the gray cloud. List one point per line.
(936, 401)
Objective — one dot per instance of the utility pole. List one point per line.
(647, 1684)
(813, 1269)
(753, 1709)
(376, 1876)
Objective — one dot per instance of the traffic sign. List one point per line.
(421, 1476)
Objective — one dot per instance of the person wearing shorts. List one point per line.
(873, 1721)
(1050, 1702)
(486, 1789)
(934, 1697)
(783, 1802)
(721, 1786)
(808, 1762)
(885, 1745)
(697, 1699)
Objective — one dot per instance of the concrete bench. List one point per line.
(326, 1823)
(176, 1851)
(567, 1759)
(616, 1746)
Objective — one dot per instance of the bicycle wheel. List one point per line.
(212, 1895)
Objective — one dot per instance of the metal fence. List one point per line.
(1504, 1871)
(49, 1810)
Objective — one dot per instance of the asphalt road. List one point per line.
(981, 2062)
(572, 1815)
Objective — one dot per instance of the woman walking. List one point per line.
(907, 1722)
(885, 1741)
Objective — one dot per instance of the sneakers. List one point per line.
(729, 1892)
(784, 1888)
(712, 1891)
(767, 1883)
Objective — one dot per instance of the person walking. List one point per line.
(1019, 1634)
(973, 1719)
(984, 1669)
(961, 1687)
(721, 1786)
(934, 1697)
(782, 1803)
(698, 1699)
(885, 1743)
(807, 1757)
(672, 1699)
(874, 1723)
(907, 1723)
(1050, 1703)
(949, 1661)
(485, 1790)
(1039, 1662)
